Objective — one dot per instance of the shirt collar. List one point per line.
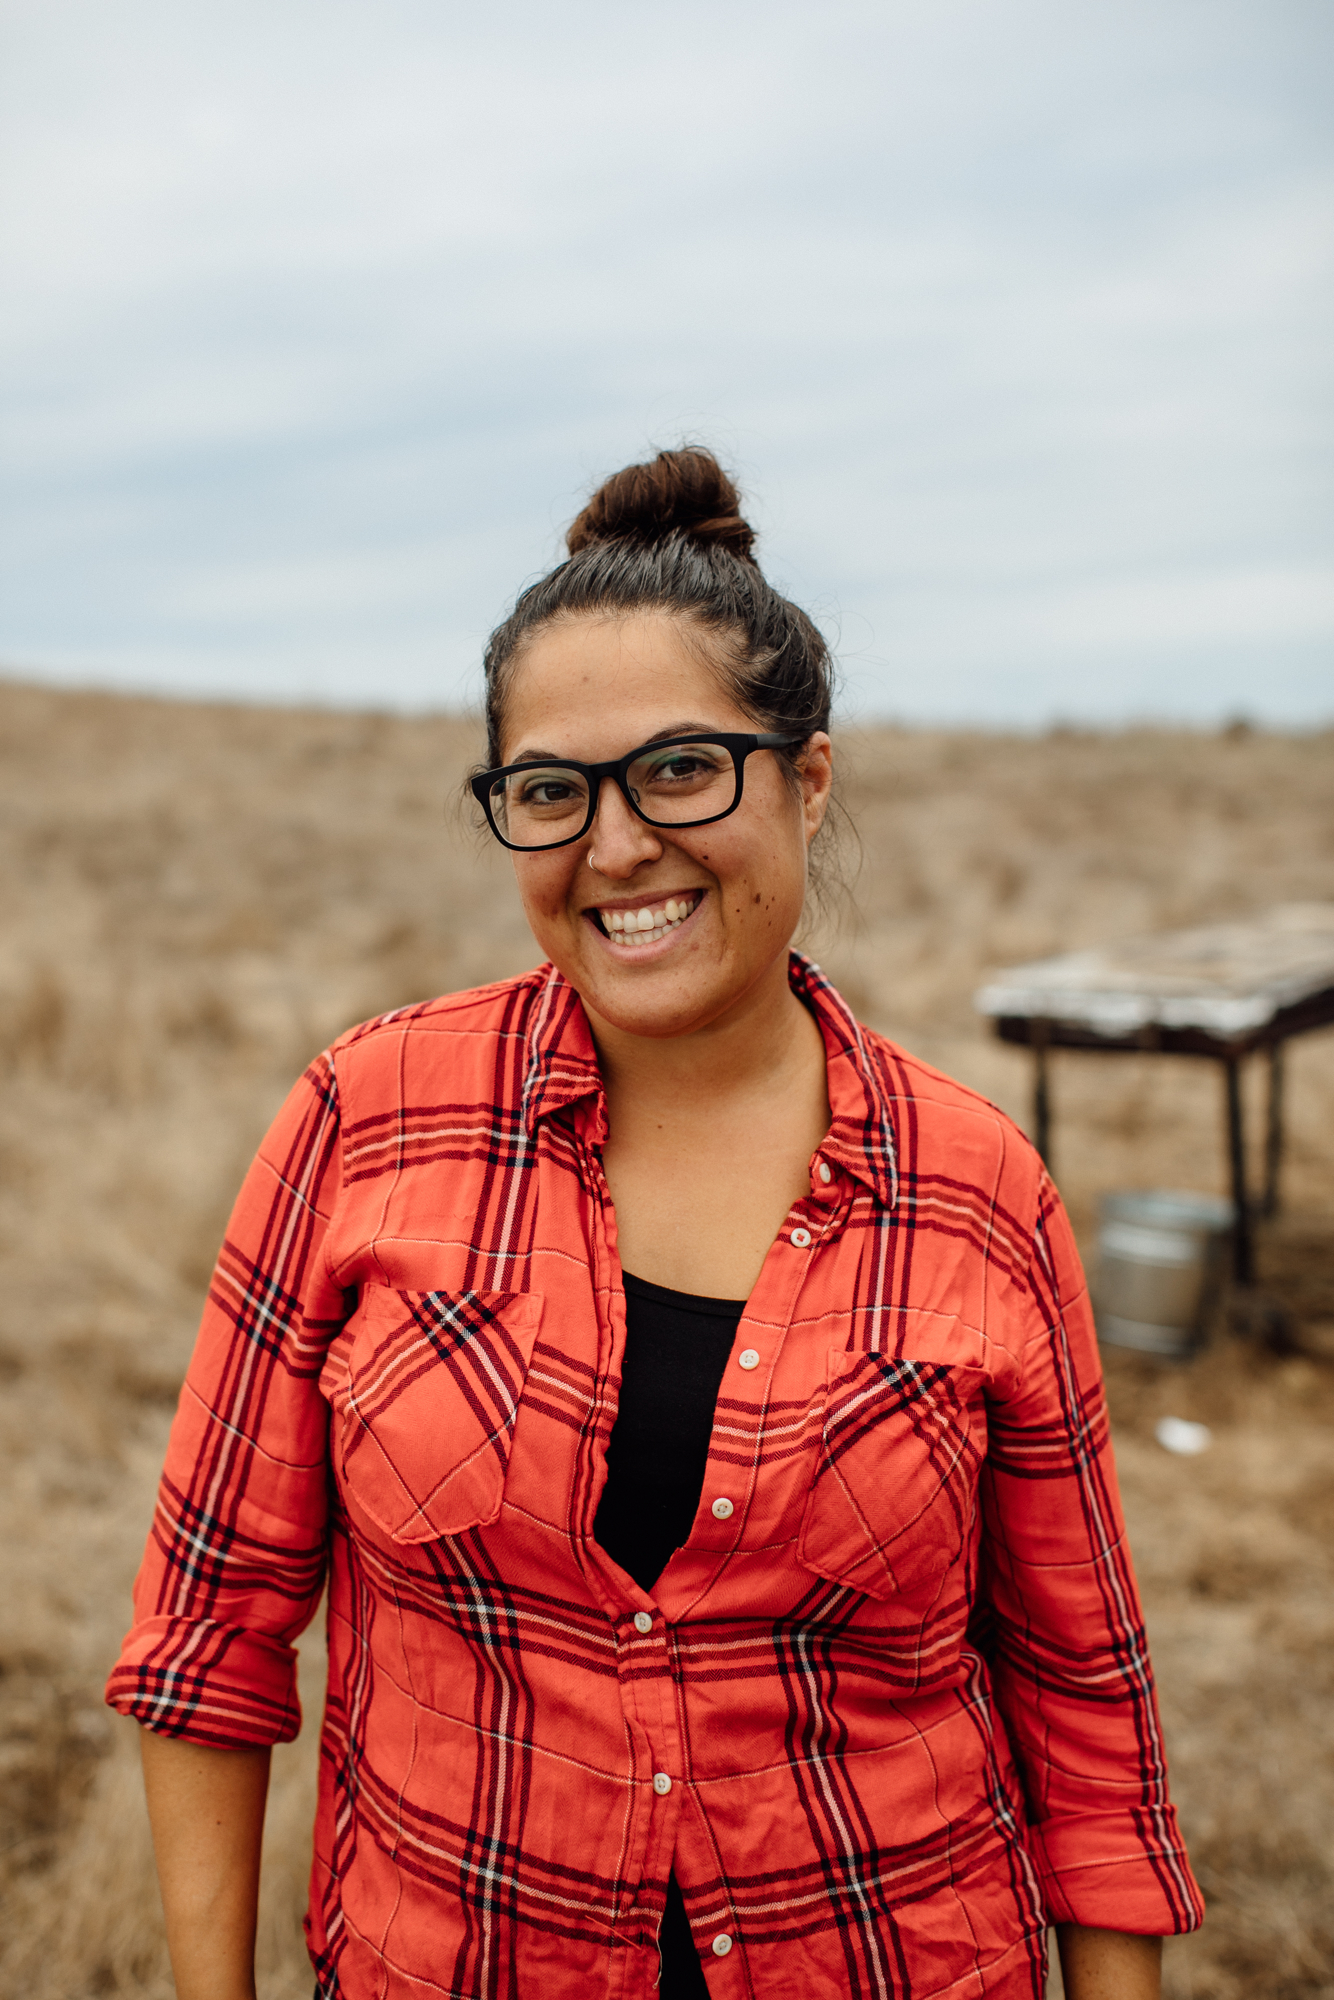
(861, 1136)
(562, 1068)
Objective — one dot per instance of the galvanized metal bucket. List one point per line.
(1159, 1268)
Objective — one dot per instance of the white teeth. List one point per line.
(646, 924)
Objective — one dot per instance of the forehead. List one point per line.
(594, 687)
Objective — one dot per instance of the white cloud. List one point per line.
(1015, 319)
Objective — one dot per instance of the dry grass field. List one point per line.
(194, 899)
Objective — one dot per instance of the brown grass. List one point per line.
(194, 899)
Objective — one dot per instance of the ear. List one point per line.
(816, 772)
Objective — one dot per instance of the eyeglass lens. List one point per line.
(671, 786)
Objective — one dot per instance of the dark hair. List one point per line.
(669, 536)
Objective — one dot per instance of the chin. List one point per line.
(653, 1023)
(657, 1008)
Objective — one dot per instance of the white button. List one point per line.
(748, 1358)
(662, 1784)
(643, 1622)
(723, 1510)
(826, 1172)
(801, 1237)
(722, 1944)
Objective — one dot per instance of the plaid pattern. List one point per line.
(901, 1692)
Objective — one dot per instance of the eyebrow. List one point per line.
(542, 756)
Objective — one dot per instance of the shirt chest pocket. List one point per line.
(424, 1421)
(893, 1500)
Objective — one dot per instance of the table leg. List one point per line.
(1243, 1259)
(1041, 1095)
(1274, 1131)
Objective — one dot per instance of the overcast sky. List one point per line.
(320, 319)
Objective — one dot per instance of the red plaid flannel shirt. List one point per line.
(887, 1715)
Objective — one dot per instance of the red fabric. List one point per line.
(901, 1691)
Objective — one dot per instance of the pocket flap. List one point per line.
(430, 1406)
(894, 1493)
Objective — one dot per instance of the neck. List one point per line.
(764, 1039)
(710, 1136)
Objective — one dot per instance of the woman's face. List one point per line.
(727, 897)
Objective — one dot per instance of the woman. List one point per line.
(691, 1399)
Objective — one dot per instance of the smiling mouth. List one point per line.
(649, 924)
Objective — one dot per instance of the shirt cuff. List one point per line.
(1121, 1871)
(207, 1682)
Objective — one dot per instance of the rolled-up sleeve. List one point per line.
(235, 1560)
(1069, 1655)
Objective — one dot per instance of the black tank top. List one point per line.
(676, 1348)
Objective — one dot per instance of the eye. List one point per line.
(546, 792)
(688, 765)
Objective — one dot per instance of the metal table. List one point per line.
(1226, 991)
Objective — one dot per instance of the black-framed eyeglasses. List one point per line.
(681, 781)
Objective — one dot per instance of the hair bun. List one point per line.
(682, 492)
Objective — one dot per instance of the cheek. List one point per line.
(542, 891)
(767, 891)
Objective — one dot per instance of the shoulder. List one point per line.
(453, 1038)
(945, 1128)
(500, 1008)
(911, 1080)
